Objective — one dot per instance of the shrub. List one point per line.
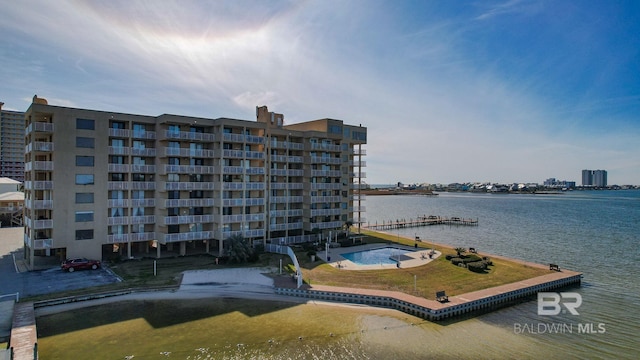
(478, 266)
(449, 257)
(457, 261)
(471, 258)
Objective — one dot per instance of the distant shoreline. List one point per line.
(397, 192)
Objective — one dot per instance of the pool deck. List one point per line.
(415, 257)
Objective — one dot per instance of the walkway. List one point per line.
(23, 332)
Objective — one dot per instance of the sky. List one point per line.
(450, 91)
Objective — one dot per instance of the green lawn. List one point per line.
(440, 274)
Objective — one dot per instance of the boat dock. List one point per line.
(421, 221)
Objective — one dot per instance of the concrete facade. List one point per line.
(99, 183)
(11, 144)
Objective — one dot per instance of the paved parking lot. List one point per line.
(29, 283)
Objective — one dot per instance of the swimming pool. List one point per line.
(374, 256)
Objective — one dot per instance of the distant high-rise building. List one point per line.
(11, 144)
(596, 178)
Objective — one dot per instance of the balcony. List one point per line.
(357, 163)
(113, 150)
(38, 224)
(118, 220)
(117, 238)
(188, 186)
(41, 127)
(144, 169)
(39, 165)
(38, 185)
(326, 212)
(243, 186)
(328, 225)
(186, 135)
(118, 185)
(326, 186)
(327, 147)
(39, 146)
(118, 168)
(326, 199)
(38, 204)
(122, 133)
(144, 236)
(143, 151)
(118, 203)
(188, 219)
(143, 185)
(188, 169)
(189, 202)
(244, 233)
(324, 160)
(286, 226)
(188, 236)
(326, 173)
(143, 202)
(38, 244)
(203, 153)
(147, 219)
(285, 199)
(143, 134)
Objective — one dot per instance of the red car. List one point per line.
(72, 265)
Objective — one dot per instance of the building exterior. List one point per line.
(11, 144)
(134, 185)
(595, 178)
(559, 184)
(11, 202)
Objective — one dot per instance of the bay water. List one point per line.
(593, 232)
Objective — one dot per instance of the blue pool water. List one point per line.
(375, 256)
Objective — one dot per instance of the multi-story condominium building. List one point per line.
(99, 182)
(596, 178)
(11, 144)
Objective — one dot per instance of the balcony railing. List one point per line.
(39, 127)
(243, 186)
(143, 151)
(39, 146)
(118, 150)
(326, 212)
(147, 219)
(38, 204)
(145, 169)
(326, 186)
(186, 135)
(38, 244)
(189, 202)
(285, 199)
(188, 219)
(143, 202)
(328, 147)
(203, 153)
(118, 185)
(143, 185)
(189, 186)
(326, 173)
(244, 233)
(326, 199)
(328, 225)
(188, 236)
(118, 220)
(117, 238)
(142, 236)
(38, 185)
(39, 165)
(38, 224)
(118, 203)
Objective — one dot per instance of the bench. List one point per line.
(473, 250)
(441, 296)
(554, 267)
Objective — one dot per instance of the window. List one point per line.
(117, 177)
(84, 160)
(117, 159)
(138, 177)
(84, 198)
(84, 179)
(173, 177)
(84, 216)
(117, 143)
(117, 125)
(85, 124)
(173, 161)
(84, 234)
(85, 142)
(137, 144)
(174, 129)
(173, 194)
(139, 130)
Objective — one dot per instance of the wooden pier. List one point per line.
(421, 221)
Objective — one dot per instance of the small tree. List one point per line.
(347, 226)
(460, 251)
(239, 249)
